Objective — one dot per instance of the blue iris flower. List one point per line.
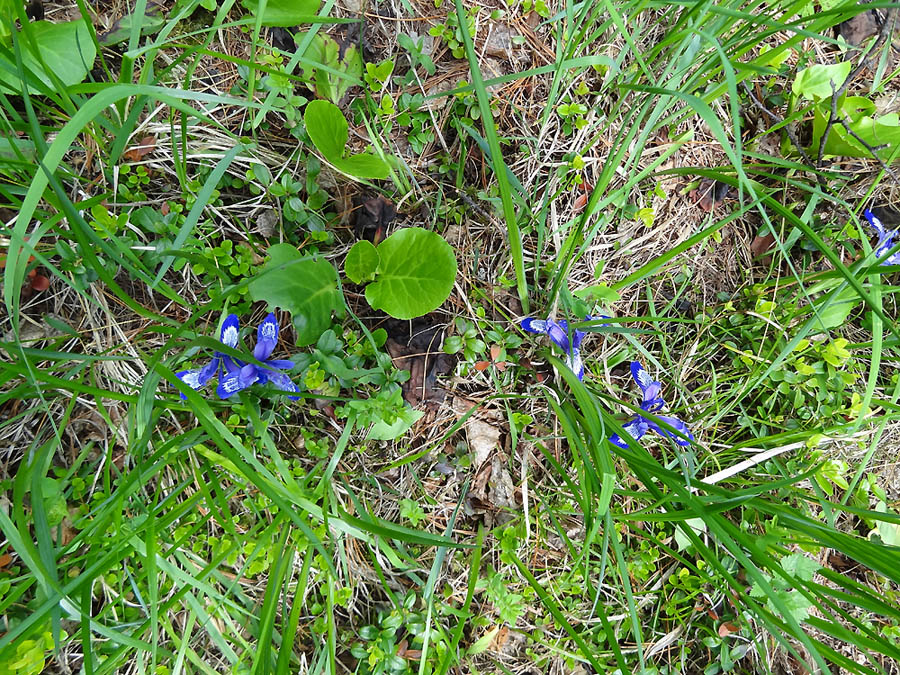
(651, 402)
(558, 332)
(245, 374)
(885, 239)
(228, 336)
(236, 375)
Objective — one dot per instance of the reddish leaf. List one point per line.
(482, 365)
(727, 628)
(585, 194)
(762, 244)
(40, 283)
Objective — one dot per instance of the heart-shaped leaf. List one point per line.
(416, 272)
(306, 287)
(327, 129)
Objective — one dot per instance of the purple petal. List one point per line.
(231, 365)
(191, 378)
(635, 428)
(533, 325)
(280, 364)
(229, 333)
(641, 376)
(650, 389)
(207, 372)
(557, 332)
(266, 337)
(578, 335)
(888, 244)
(676, 424)
(283, 382)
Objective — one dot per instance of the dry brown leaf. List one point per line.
(144, 147)
(727, 628)
(484, 439)
(761, 245)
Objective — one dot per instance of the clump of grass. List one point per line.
(141, 531)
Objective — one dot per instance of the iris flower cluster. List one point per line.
(236, 375)
(638, 426)
(885, 239)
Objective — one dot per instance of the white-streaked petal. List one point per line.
(875, 223)
(230, 330)
(641, 376)
(576, 365)
(533, 325)
(191, 378)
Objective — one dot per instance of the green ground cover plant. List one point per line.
(430, 337)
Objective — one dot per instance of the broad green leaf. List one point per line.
(683, 540)
(66, 48)
(415, 276)
(482, 643)
(7, 14)
(882, 132)
(797, 604)
(820, 81)
(598, 293)
(307, 288)
(382, 431)
(284, 12)
(13, 148)
(361, 262)
(889, 533)
(327, 129)
(837, 311)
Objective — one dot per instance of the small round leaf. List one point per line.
(415, 275)
(361, 262)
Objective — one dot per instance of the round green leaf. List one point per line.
(67, 49)
(415, 275)
(361, 262)
(306, 287)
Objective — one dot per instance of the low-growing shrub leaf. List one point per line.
(415, 275)
(307, 288)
